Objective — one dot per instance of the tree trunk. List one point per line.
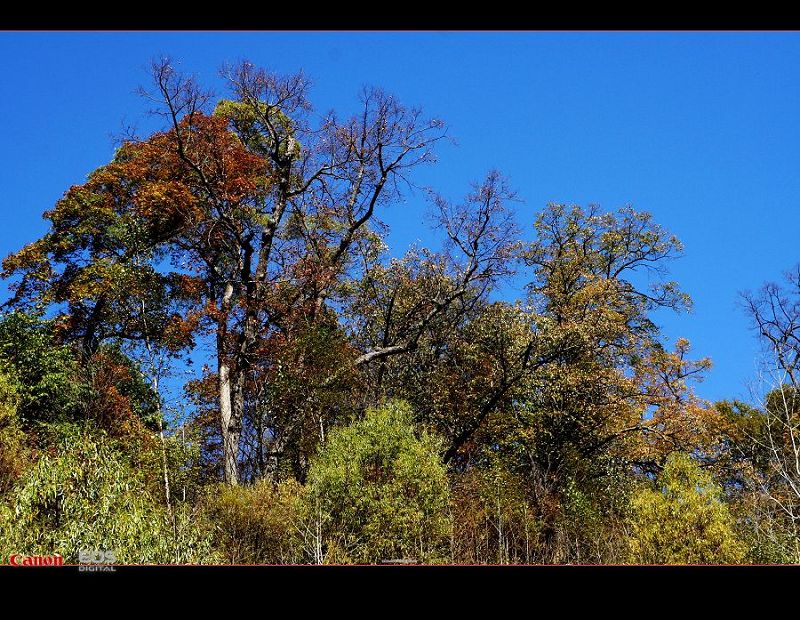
(237, 404)
(230, 426)
(230, 430)
(164, 462)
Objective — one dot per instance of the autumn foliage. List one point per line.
(215, 350)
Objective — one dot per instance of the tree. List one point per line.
(378, 491)
(683, 519)
(572, 390)
(256, 524)
(259, 211)
(45, 373)
(418, 318)
(762, 439)
(775, 313)
(743, 462)
(53, 383)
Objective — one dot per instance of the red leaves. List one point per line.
(203, 157)
(111, 410)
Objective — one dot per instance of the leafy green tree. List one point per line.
(377, 490)
(683, 519)
(88, 497)
(45, 372)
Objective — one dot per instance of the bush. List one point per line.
(377, 490)
(683, 520)
(255, 524)
(86, 497)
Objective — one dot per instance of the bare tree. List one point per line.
(775, 312)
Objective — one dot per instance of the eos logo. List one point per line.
(35, 560)
(96, 561)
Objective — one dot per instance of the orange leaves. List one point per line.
(179, 332)
(213, 312)
(205, 156)
(32, 256)
(190, 288)
(176, 178)
(186, 191)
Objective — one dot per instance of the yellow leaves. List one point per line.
(164, 200)
(683, 520)
(31, 257)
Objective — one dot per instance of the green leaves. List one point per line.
(379, 491)
(87, 497)
(13, 452)
(45, 373)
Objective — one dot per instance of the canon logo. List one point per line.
(35, 560)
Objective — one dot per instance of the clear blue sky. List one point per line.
(700, 129)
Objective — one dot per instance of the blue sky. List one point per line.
(700, 129)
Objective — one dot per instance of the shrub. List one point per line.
(255, 524)
(86, 497)
(378, 490)
(683, 520)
